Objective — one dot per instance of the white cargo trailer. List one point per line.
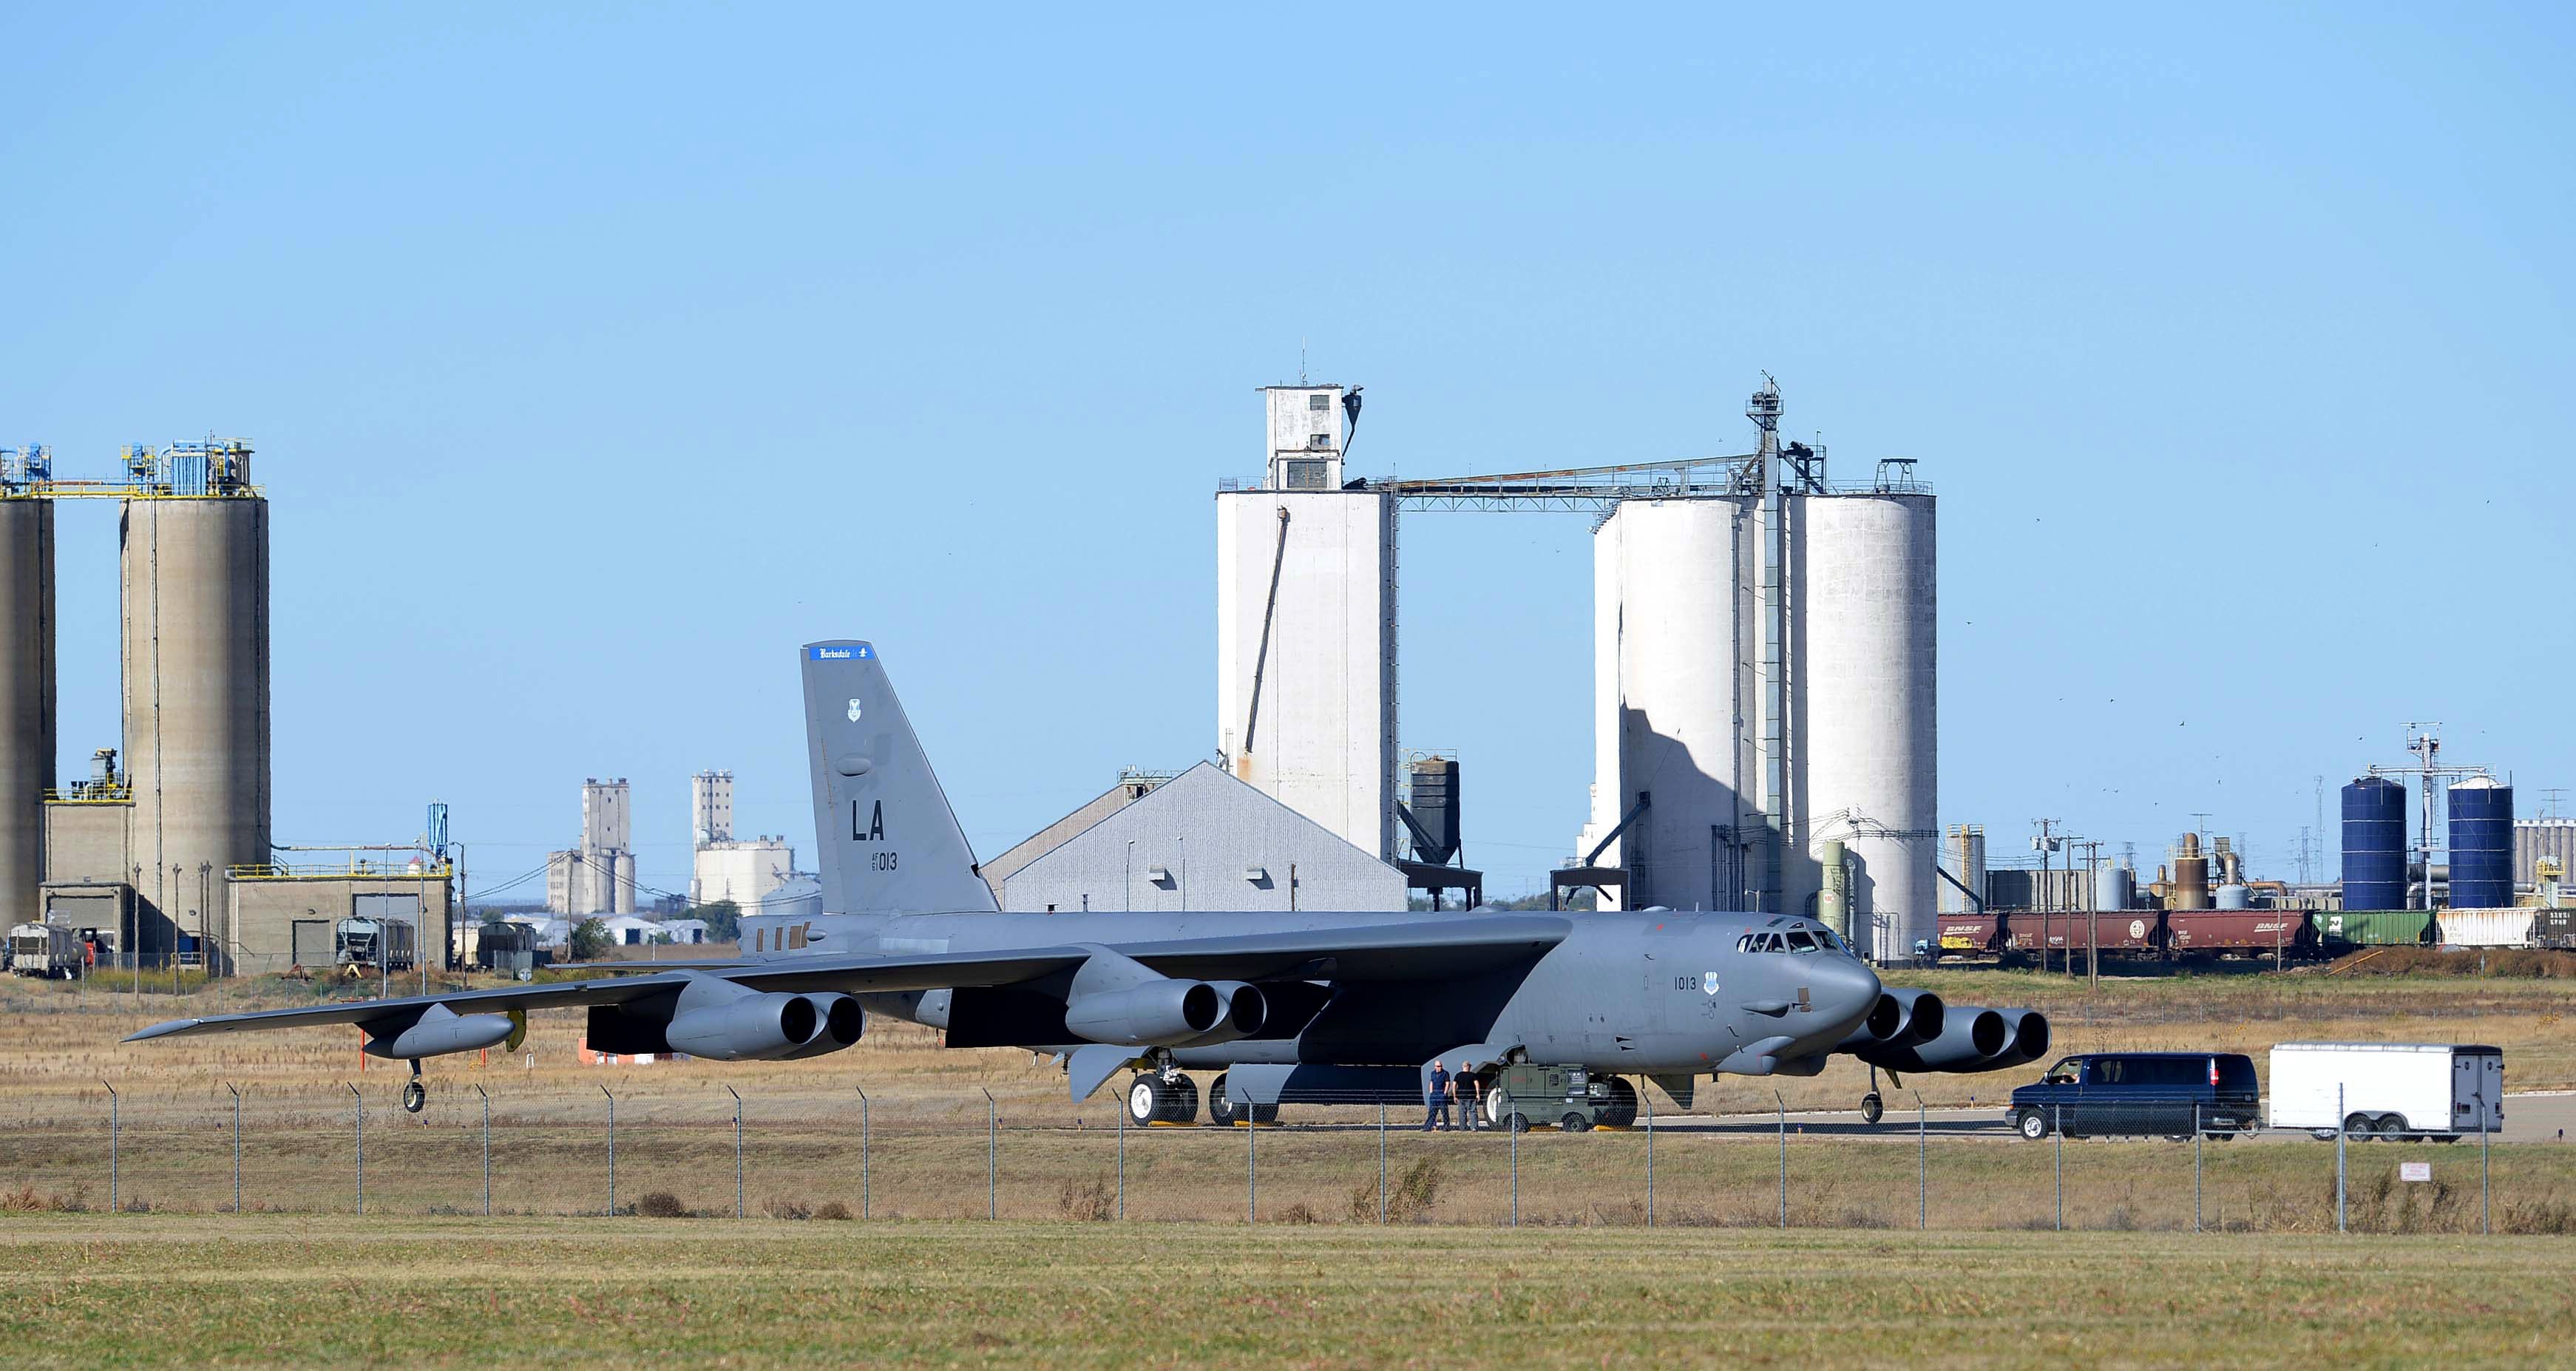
(47, 950)
(2388, 1090)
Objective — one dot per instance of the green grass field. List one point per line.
(88, 1291)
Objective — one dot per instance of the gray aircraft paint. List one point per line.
(915, 935)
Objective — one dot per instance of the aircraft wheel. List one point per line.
(1221, 1111)
(1872, 1108)
(1623, 1103)
(2033, 1124)
(1264, 1113)
(415, 1097)
(1183, 1102)
(1145, 1100)
(1573, 1122)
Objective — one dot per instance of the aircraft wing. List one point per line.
(1378, 952)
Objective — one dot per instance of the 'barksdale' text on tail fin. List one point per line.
(888, 842)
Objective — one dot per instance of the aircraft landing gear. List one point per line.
(1872, 1108)
(415, 1094)
(1154, 1098)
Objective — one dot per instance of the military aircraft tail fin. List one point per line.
(889, 844)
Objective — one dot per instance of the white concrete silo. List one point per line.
(1864, 703)
(1306, 627)
(1674, 695)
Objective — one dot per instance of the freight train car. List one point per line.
(2211, 933)
(1974, 935)
(2124, 933)
(2342, 929)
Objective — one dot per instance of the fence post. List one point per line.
(1647, 1098)
(2195, 1168)
(1784, 1157)
(864, 1195)
(112, 1130)
(228, 1085)
(359, 1131)
(487, 1149)
(2339, 1137)
(1922, 1166)
(1122, 1159)
(1508, 1126)
(1381, 1169)
(992, 1156)
(612, 1151)
(2057, 1137)
(737, 1150)
(1251, 1166)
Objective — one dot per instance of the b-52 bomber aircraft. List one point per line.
(1293, 1006)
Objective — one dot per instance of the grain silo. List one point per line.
(1673, 695)
(194, 575)
(27, 700)
(1863, 701)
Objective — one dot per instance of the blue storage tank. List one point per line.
(2374, 844)
(2481, 844)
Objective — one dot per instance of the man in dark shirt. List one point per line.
(1438, 1098)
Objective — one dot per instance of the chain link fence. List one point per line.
(624, 1148)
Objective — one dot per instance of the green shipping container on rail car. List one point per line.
(2374, 927)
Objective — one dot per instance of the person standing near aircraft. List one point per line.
(1437, 1098)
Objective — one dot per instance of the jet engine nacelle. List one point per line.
(441, 1031)
(1157, 1013)
(1246, 1010)
(754, 1027)
(1901, 1018)
(2028, 1042)
(842, 1023)
(1968, 1037)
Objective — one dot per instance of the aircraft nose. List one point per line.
(1844, 990)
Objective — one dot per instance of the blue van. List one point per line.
(2141, 1094)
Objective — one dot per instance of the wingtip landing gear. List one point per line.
(1872, 1108)
(415, 1094)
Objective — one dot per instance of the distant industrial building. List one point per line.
(169, 858)
(750, 872)
(1305, 627)
(598, 877)
(1201, 840)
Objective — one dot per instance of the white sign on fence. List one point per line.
(2414, 1171)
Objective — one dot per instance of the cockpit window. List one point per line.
(1750, 942)
(1801, 941)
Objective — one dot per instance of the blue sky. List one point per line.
(598, 356)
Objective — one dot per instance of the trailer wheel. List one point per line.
(2392, 1127)
(2322, 1134)
(2033, 1124)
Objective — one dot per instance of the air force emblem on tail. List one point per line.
(854, 652)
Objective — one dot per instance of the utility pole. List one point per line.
(2045, 842)
(2093, 910)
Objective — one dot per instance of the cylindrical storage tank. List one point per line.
(1674, 641)
(2190, 876)
(1833, 898)
(26, 701)
(2374, 844)
(2481, 844)
(1965, 851)
(194, 574)
(2114, 887)
(1864, 701)
(623, 896)
(2235, 897)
